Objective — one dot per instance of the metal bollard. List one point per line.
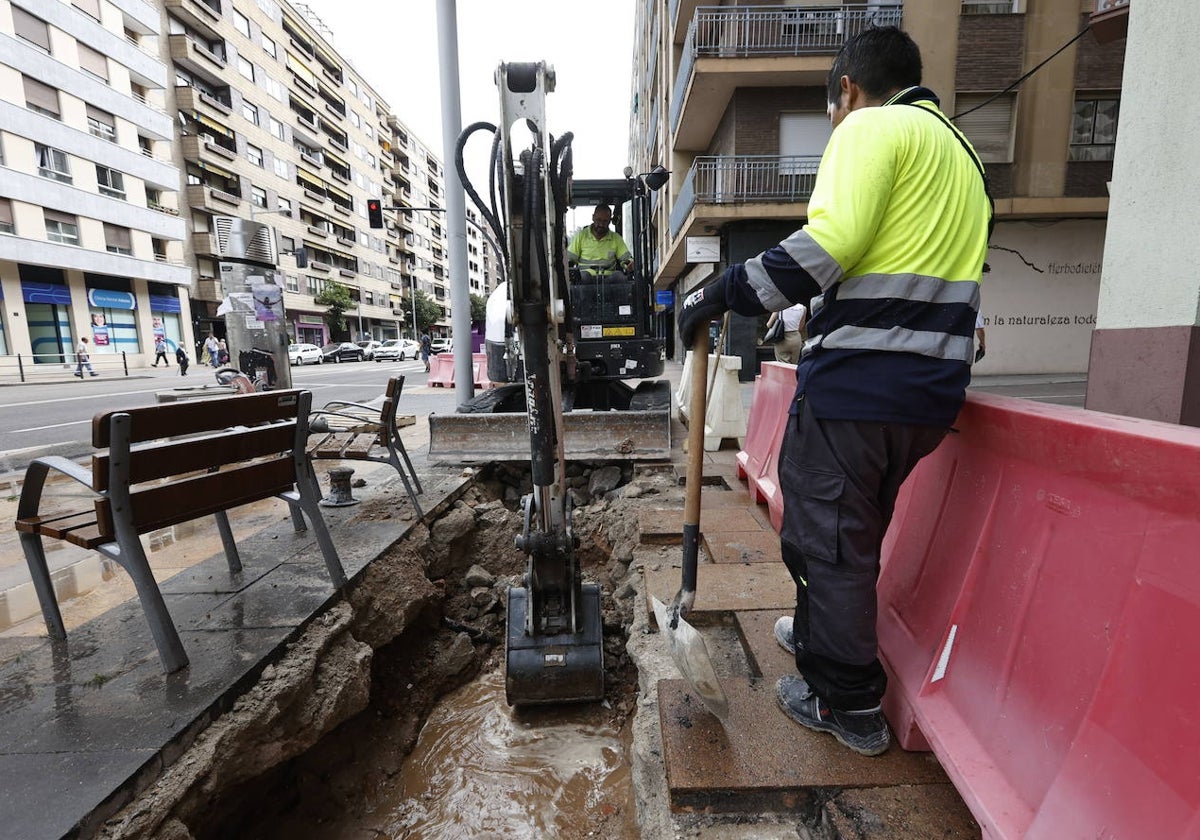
(339, 488)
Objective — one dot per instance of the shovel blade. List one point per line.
(690, 655)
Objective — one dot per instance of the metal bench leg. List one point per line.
(310, 494)
(231, 550)
(35, 557)
(166, 638)
(298, 523)
(408, 463)
(395, 461)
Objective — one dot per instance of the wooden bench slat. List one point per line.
(186, 418)
(169, 458)
(331, 445)
(79, 527)
(359, 446)
(160, 506)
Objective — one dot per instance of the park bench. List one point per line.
(163, 465)
(351, 431)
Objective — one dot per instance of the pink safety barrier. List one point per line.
(1040, 620)
(441, 370)
(479, 365)
(758, 463)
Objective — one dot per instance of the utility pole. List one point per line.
(456, 204)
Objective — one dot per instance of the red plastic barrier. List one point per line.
(479, 365)
(441, 370)
(758, 463)
(1040, 620)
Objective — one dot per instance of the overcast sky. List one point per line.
(394, 46)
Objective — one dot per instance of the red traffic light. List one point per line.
(374, 212)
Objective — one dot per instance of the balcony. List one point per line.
(197, 57)
(211, 199)
(204, 15)
(719, 189)
(209, 289)
(320, 266)
(318, 231)
(757, 46)
(345, 272)
(204, 243)
(347, 241)
(196, 148)
(188, 98)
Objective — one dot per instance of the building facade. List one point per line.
(91, 242)
(274, 125)
(731, 98)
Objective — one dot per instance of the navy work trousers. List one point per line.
(840, 479)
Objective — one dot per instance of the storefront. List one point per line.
(113, 315)
(48, 314)
(309, 329)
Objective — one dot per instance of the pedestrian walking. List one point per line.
(210, 348)
(181, 359)
(160, 351)
(892, 255)
(222, 353)
(426, 348)
(83, 357)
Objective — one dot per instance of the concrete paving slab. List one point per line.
(916, 811)
(725, 587)
(741, 546)
(33, 806)
(762, 761)
(766, 657)
(286, 597)
(722, 497)
(666, 526)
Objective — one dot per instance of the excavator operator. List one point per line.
(597, 249)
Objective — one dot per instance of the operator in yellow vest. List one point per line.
(599, 249)
(891, 259)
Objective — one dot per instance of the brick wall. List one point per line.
(758, 112)
(1000, 179)
(990, 51)
(1098, 66)
(1088, 178)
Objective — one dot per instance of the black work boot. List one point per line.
(783, 634)
(865, 732)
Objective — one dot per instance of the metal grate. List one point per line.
(241, 239)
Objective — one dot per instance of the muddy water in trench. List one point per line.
(480, 769)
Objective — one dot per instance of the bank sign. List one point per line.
(1039, 300)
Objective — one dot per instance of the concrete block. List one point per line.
(724, 588)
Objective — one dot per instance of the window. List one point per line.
(286, 244)
(61, 227)
(53, 163)
(110, 181)
(40, 97)
(30, 28)
(990, 127)
(245, 67)
(101, 124)
(250, 112)
(285, 206)
(280, 166)
(269, 47)
(291, 282)
(276, 128)
(990, 7)
(254, 154)
(241, 23)
(93, 62)
(1094, 129)
(117, 240)
(258, 196)
(6, 217)
(91, 8)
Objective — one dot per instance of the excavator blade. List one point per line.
(589, 435)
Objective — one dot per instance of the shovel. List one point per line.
(687, 645)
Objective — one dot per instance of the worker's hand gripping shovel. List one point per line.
(687, 645)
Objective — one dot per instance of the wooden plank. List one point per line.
(177, 419)
(359, 446)
(79, 527)
(172, 458)
(163, 505)
(403, 420)
(331, 446)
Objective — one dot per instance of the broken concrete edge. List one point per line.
(317, 677)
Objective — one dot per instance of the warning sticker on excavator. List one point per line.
(610, 331)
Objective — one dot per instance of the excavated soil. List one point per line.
(446, 585)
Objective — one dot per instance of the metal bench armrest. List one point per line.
(35, 480)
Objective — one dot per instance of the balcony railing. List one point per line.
(761, 31)
(744, 179)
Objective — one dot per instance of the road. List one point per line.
(60, 414)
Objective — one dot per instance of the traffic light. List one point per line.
(375, 212)
(301, 255)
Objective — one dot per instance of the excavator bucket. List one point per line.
(561, 668)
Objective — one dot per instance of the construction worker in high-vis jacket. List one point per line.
(597, 248)
(890, 263)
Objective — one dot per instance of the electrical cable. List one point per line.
(1032, 70)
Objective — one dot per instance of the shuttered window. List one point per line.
(803, 135)
(101, 124)
(6, 217)
(32, 29)
(117, 239)
(990, 128)
(61, 227)
(40, 97)
(88, 7)
(93, 62)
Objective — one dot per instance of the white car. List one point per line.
(397, 349)
(441, 345)
(305, 354)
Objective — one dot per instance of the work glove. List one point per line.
(700, 308)
(980, 353)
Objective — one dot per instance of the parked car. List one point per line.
(344, 351)
(397, 349)
(305, 354)
(368, 348)
(441, 345)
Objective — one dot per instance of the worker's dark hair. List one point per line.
(603, 205)
(879, 60)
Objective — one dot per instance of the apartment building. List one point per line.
(275, 125)
(91, 244)
(731, 98)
